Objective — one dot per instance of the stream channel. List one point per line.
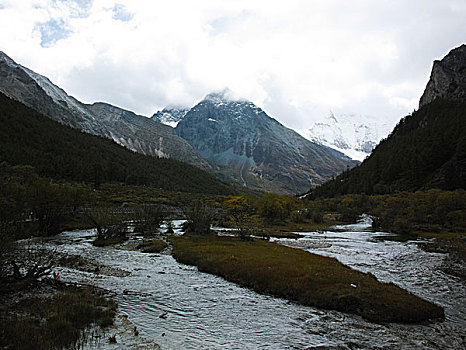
(178, 307)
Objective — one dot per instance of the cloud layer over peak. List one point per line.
(295, 59)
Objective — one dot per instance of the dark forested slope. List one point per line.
(60, 152)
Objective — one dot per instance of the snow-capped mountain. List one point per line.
(133, 131)
(354, 138)
(255, 150)
(170, 115)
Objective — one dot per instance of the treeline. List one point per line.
(62, 153)
(433, 210)
(269, 215)
(425, 211)
(30, 204)
(425, 150)
(33, 205)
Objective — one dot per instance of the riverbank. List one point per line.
(59, 313)
(178, 307)
(49, 314)
(304, 278)
(454, 244)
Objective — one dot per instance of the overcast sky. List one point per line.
(296, 59)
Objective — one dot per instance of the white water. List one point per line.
(181, 308)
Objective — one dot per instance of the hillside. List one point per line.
(126, 128)
(60, 152)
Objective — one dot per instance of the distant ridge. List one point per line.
(355, 136)
(170, 115)
(135, 132)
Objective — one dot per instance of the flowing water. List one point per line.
(180, 308)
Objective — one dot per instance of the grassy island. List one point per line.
(302, 277)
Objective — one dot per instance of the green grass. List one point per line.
(54, 322)
(152, 246)
(302, 277)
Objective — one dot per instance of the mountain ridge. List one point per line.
(354, 139)
(39, 93)
(251, 148)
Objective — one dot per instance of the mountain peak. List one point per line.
(448, 78)
(252, 149)
(332, 117)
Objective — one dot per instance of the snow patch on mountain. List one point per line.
(355, 136)
(170, 115)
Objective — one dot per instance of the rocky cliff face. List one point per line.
(448, 78)
(37, 92)
(145, 135)
(137, 133)
(255, 150)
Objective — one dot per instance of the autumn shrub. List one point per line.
(276, 207)
(110, 224)
(432, 210)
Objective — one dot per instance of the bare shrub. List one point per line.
(147, 218)
(199, 218)
(109, 222)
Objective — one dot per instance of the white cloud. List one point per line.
(296, 59)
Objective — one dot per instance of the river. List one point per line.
(178, 307)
